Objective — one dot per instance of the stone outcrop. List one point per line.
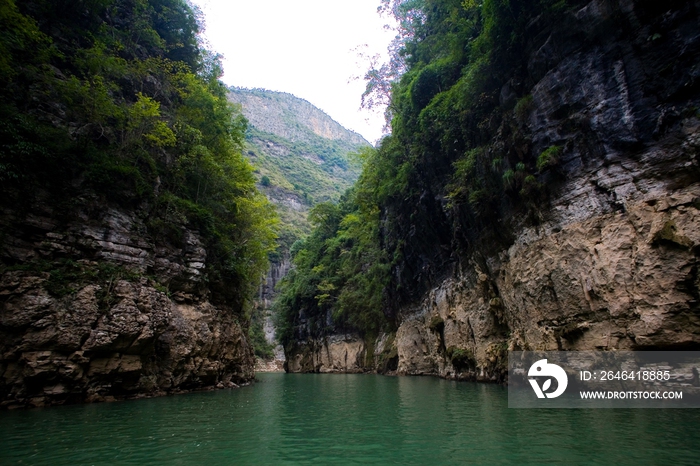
(266, 295)
(344, 353)
(611, 260)
(615, 281)
(336, 353)
(94, 310)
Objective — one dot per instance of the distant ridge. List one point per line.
(277, 112)
(300, 154)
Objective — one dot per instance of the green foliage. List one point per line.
(530, 186)
(509, 179)
(523, 108)
(256, 332)
(457, 54)
(117, 97)
(549, 158)
(315, 172)
(340, 270)
(20, 38)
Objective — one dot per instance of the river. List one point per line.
(345, 419)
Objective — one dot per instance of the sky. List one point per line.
(308, 48)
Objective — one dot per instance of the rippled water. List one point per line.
(345, 419)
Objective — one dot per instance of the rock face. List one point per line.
(344, 353)
(267, 293)
(290, 117)
(275, 273)
(612, 262)
(617, 280)
(337, 353)
(132, 317)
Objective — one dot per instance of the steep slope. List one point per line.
(300, 154)
(539, 192)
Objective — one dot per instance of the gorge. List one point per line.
(162, 233)
(539, 190)
(302, 158)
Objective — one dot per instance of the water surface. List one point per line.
(345, 419)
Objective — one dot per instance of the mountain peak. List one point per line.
(300, 155)
(291, 117)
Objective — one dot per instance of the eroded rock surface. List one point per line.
(612, 262)
(132, 317)
(336, 353)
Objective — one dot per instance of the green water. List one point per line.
(345, 419)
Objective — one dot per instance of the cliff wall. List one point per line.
(132, 235)
(277, 272)
(98, 309)
(608, 259)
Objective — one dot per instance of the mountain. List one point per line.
(300, 155)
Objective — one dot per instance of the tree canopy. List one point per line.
(120, 98)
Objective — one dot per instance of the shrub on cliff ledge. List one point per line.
(549, 158)
(461, 359)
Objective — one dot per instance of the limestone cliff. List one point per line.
(609, 259)
(612, 263)
(114, 312)
(267, 294)
(344, 353)
(291, 118)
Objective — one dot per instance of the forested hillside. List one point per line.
(130, 216)
(301, 155)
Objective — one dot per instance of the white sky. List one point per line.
(303, 47)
